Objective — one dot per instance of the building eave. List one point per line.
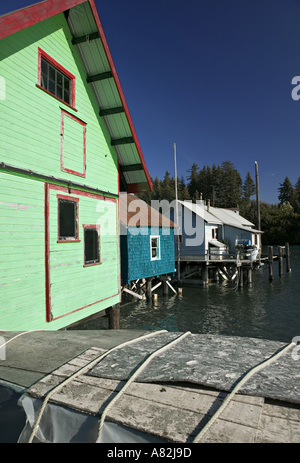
(134, 175)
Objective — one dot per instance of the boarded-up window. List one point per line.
(91, 244)
(67, 218)
(73, 144)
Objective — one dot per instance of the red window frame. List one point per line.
(62, 130)
(74, 200)
(60, 68)
(96, 227)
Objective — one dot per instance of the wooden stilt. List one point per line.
(113, 313)
(165, 288)
(280, 261)
(249, 276)
(241, 277)
(148, 288)
(270, 262)
(205, 275)
(287, 257)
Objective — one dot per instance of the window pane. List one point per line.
(52, 73)
(91, 246)
(55, 81)
(44, 66)
(51, 87)
(155, 247)
(67, 83)
(59, 78)
(66, 97)
(44, 81)
(59, 92)
(67, 219)
(154, 242)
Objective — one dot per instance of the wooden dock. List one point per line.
(201, 270)
(173, 397)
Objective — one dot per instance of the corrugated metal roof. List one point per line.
(103, 78)
(136, 212)
(228, 215)
(201, 212)
(220, 216)
(233, 219)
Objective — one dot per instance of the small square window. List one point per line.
(67, 219)
(55, 79)
(91, 244)
(155, 247)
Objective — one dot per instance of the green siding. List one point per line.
(31, 139)
(74, 286)
(22, 268)
(22, 294)
(31, 118)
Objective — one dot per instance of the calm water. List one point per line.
(268, 310)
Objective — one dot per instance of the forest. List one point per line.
(224, 187)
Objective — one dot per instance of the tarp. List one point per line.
(208, 360)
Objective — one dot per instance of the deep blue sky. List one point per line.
(213, 76)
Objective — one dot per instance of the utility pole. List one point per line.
(257, 197)
(176, 220)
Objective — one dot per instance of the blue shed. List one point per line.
(146, 241)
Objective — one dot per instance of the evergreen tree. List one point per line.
(287, 194)
(230, 194)
(193, 179)
(168, 187)
(183, 192)
(248, 187)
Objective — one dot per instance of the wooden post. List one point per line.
(287, 257)
(241, 276)
(113, 313)
(270, 261)
(205, 275)
(165, 288)
(148, 288)
(280, 261)
(249, 276)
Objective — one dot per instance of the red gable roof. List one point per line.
(21, 19)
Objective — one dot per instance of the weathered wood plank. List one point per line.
(273, 429)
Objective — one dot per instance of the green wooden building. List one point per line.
(67, 148)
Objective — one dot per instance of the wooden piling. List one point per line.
(149, 288)
(287, 257)
(249, 276)
(165, 288)
(113, 313)
(205, 275)
(270, 262)
(241, 276)
(280, 260)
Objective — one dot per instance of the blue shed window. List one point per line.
(155, 247)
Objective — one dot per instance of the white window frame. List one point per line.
(214, 233)
(157, 257)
